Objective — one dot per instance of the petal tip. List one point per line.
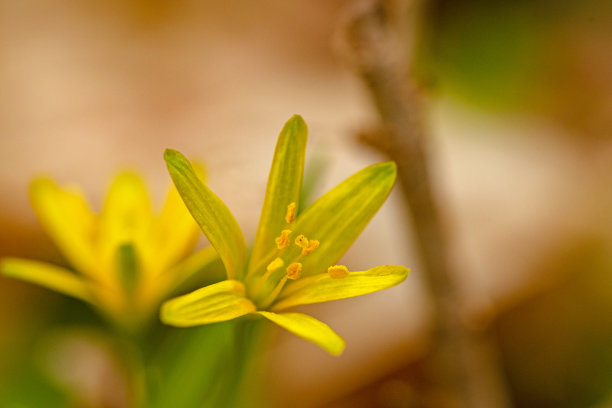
(296, 125)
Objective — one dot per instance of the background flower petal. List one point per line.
(67, 219)
(47, 275)
(127, 218)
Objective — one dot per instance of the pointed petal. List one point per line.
(127, 217)
(50, 276)
(176, 232)
(214, 303)
(309, 328)
(67, 219)
(322, 288)
(283, 188)
(339, 216)
(213, 216)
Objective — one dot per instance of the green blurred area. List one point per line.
(527, 56)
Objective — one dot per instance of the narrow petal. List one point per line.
(214, 303)
(213, 216)
(50, 276)
(67, 219)
(309, 328)
(127, 217)
(284, 184)
(339, 216)
(322, 287)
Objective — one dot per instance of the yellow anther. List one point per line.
(294, 270)
(312, 245)
(338, 271)
(291, 210)
(301, 241)
(274, 265)
(282, 241)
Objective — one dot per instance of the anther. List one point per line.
(291, 210)
(338, 271)
(301, 241)
(294, 270)
(312, 245)
(282, 241)
(274, 265)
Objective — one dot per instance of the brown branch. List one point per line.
(464, 371)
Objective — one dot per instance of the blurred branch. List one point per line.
(379, 38)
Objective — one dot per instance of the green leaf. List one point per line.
(283, 188)
(214, 303)
(50, 276)
(338, 217)
(309, 328)
(322, 287)
(213, 216)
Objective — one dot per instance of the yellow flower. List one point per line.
(128, 258)
(294, 256)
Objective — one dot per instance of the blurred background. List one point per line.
(517, 103)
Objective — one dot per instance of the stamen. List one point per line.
(301, 241)
(282, 241)
(274, 265)
(294, 270)
(338, 271)
(312, 245)
(291, 210)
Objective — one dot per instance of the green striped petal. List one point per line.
(339, 216)
(213, 216)
(322, 288)
(50, 276)
(214, 303)
(283, 188)
(309, 328)
(67, 219)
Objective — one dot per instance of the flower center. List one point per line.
(266, 288)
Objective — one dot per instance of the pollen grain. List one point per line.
(338, 271)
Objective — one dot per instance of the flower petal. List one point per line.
(213, 216)
(67, 219)
(47, 275)
(214, 303)
(339, 216)
(176, 232)
(322, 287)
(127, 217)
(188, 267)
(309, 328)
(283, 188)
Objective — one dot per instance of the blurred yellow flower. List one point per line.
(294, 256)
(128, 258)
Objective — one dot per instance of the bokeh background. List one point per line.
(518, 106)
